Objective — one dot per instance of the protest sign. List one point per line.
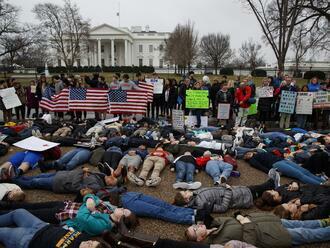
(178, 119)
(253, 109)
(322, 100)
(223, 111)
(197, 99)
(263, 92)
(191, 121)
(9, 98)
(35, 144)
(158, 85)
(287, 102)
(304, 103)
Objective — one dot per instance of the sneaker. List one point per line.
(223, 180)
(11, 172)
(38, 133)
(134, 179)
(34, 133)
(273, 174)
(108, 169)
(180, 185)
(194, 185)
(152, 182)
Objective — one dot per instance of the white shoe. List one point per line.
(180, 185)
(194, 185)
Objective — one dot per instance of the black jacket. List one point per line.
(224, 97)
(264, 161)
(214, 90)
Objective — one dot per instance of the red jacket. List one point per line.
(160, 153)
(202, 161)
(243, 96)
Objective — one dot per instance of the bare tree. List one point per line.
(182, 45)
(215, 48)
(277, 19)
(67, 29)
(250, 54)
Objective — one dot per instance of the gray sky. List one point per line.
(209, 16)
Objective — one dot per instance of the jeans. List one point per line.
(41, 181)
(285, 120)
(217, 169)
(73, 158)
(184, 171)
(291, 169)
(30, 157)
(307, 231)
(198, 113)
(241, 117)
(273, 135)
(301, 121)
(20, 236)
(148, 206)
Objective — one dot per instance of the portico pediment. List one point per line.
(106, 29)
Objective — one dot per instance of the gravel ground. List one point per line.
(165, 191)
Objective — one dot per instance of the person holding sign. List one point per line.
(198, 112)
(32, 98)
(6, 112)
(264, 105)
(225, 97)
(242, 97)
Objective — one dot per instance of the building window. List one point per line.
(140, 62)
(115, 48)
(151, 48)
(140, 48)
(161, 63)
(88, 49)
(102, 62)
(151, 62)
(161, 48)
(102, 48)
(78, 62)
(59, 62)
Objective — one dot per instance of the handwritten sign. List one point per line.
(266, 91)
(10, 98)
(321, 97)
(223, 111)
(178, 119)
(158, 84)
(197, 99)
(287, 102)
(304, 104)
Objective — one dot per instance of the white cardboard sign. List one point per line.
(178, 119)
(35, 144)
(158, 85)
(266, 91)
(304, 105)
(223, 111)
(191, 121)
(10, 98)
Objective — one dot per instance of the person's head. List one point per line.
(304, 88)
(114, 78)
(248, 155)
(314, 80)
(198, 85)
(182, 198)
(283, 211)
(125, 77)
(207, 154)
(287, 79)
(142, 147)
(324, 140)
(91, 244)
(187, 81)
(111, 180)
(215, 81)
(16, 195)
(102, 79)
(55, 78)
(271, 197)
(132, 152)
(206, 79)
(243, 83)
(230, 84)
(130, 220)
(265, 82)
(197, 232)
(32, 82)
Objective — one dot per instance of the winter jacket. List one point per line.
(224, 97)
(264, 161)
(243, 95)
(265, 230)
(223, 198)
(92, 223)
(313, 87)
(186, 159)
(74, 181)
(214, 90)
(321, 211)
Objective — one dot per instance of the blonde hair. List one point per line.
(16, 195)
(230, 83)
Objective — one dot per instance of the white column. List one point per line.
(126, 54)
(95, 54)
(112, 52)
(99, 52)
(131, 53)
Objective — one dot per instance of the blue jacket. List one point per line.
(93, 224)
(313, 87)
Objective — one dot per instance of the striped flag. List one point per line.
(128, 102)
(149, 88)
(90, 99)
(52, 102)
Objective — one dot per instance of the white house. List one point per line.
(113, 46)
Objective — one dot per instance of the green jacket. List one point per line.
(264, 231)
(91, 223)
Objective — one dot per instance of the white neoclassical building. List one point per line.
(113, 46)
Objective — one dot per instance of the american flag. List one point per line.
(88, 99)
(128, 102)
(52, 102)
(149, 88)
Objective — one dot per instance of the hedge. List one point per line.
(90, 69)
(227, 71)
(259, 73)
(311, 74)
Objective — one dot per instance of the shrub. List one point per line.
(227, 71)
(311, 74)
(259, 73)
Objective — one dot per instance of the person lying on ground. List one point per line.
(20, 162)
(305, 208)
(262, 230)
(155, 161)
(11, 192)
(131, 163)
(219, 170)
(265, 161)
(224, 197)
(288, 192)
(67, 181)
(185, 167)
